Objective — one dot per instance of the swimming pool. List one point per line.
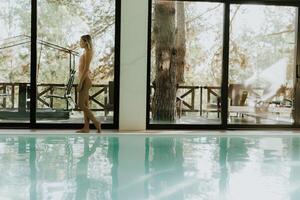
(157, 167)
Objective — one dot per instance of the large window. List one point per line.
(14, 60)
(186, 62)
(261, 64)
(215, 64)
(60, 25)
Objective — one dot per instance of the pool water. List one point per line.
(139, 167)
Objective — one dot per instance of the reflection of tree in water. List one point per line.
(166, 168)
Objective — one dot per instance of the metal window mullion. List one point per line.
(225, 64)
(33, 64)
(296, 113)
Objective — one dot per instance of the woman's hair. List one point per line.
(88, 41)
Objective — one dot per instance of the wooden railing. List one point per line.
(98, 95)
(211, 92)
(186, 97)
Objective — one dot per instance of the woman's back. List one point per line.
(84, 62)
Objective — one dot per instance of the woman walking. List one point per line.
(85, 84)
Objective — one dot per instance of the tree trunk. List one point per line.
(180, 43)
(164, 99)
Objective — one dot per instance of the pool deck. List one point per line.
(150, 133)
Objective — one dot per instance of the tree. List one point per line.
(180, 42)
(164, 99)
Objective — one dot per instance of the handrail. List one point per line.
(18, 44)
(48, 44)
(14, 39)
(10, 38)
(55, 46)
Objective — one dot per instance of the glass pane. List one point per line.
(60, 27)
(186, 62)
(261, 64)
(15, 20)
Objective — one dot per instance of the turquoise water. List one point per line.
(138, 167)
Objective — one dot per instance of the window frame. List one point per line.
(225, 71)
(32, 124)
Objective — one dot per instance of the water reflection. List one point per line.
(177, 168)
(32, 163)
(82, 181)
(165, 163)
(295, 169)
(223, 152)
(58, 167)
(230, 168)
(254, 172)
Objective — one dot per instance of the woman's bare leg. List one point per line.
(86, 126)
(83, 105)
(86, 119)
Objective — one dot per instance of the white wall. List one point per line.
(133, 64)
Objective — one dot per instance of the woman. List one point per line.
(85, 84)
